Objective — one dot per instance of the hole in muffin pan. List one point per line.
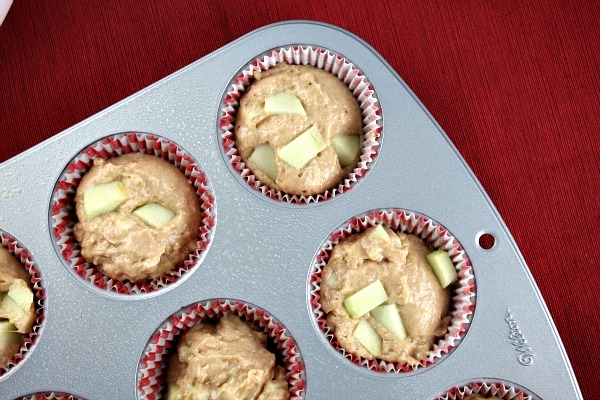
(49, 396)
(322, 58)
(462, 299)
(486, 241)
(20, 252)
(153, 364)
(505, 390)
(62, 217)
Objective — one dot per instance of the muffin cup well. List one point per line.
(63, 216)
(462, 302)
(49, 396)
(324, 59)
(498, 389)
(22, 254)
(153, 364)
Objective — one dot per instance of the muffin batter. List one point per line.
(478, 397)
(409, 282)
(119, 243)
(329, 105)
(12, 272)
(225, 361)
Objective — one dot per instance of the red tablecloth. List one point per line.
(515, 84)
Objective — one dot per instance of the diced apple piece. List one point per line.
(388, 316)
(378, 233)
(264, 158)
(104, 198)
(7, 326)
(154, 215)
(368, 337)
(346, 147)
(284, 103)
(366, 299)
(11, 309)
(304, 148)
(333, 280)
(174, 393)
(443, 267)
(393, 237)
(9, 339)
(21, 294)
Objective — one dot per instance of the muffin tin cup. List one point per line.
(50, 396)
(498, 389)
(22, 254)
(153, 364)
(63, 216)
(462, 302)
(324, 59)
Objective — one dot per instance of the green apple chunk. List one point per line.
(368, 337)
(378, 233)
(304, 148)
(7, 326)
(366, 299)
(443, 267)
(154, 215)
(284, 103)
(388, 316)
(393, 237)
(264, 158)
(21, 294)
(346, 147)
(174, 393)
(333, 280)
(9, 338)
(104, 198)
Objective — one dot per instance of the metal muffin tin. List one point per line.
(262, 251)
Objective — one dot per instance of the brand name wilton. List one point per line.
(525, 356)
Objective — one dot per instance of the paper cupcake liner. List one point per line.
(498, 389)
(462, 303)
(324, 59)
(63, 216)
(50, 396)
(152, 367)
(22, 254)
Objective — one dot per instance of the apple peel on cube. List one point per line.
(346, 147)
(368, 337)
(302, 149)
(366, 299)
(154, 215)
(264, 158)
(102, 199)
(388, 316)
(284, 103)
(443, 267)
(378, 233)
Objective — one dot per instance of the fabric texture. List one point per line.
(515, 85)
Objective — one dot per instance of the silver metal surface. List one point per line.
(262, 251)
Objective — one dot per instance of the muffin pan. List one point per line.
(262, 249)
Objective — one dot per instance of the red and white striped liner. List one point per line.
(63, 216)
(22, 254)
(486, 389)
(50, 396)
(153, 364)
(324, 59)
(462, 304)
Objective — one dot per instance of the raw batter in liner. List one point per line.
(12, 271)
(329, 105)
(120, 244)
(409, 281)
(225, 361)
(478, 397)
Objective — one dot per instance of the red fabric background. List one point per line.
(515, 84)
